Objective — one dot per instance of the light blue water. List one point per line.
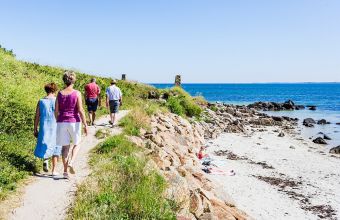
(326, 96)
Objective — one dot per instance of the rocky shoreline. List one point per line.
(219, 118)
(173, 143)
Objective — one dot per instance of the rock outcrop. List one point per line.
(234, 119)
(309, 122)
(172, 143)
(311, 107)
(322, 122)
(335, 150)
(276, 106)
(281, 134)
(319, 140)
(326, 137)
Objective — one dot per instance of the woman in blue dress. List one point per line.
(44, 119)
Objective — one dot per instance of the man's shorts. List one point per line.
(68, 132)
(92, 104)
(114, 106)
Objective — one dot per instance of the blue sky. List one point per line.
(205, 41)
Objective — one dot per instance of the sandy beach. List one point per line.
(278, 177)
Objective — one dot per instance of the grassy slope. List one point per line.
(121, 187)
(21, 86)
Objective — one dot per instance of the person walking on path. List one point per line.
(46, 134)
(114, 99)
(69, 113)
(92, 98)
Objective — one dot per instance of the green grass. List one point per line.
(21, 86)
(136, 119)
(120, 186)
(181, 103)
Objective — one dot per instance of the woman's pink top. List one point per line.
(68, 111)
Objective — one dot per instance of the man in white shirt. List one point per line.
(113, 100)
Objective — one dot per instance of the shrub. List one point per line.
(181, 103)
(191, 108)
(174, 105)
(213, 108)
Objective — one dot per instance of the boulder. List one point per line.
(335, 150)
(196, 204)
(153, 94)
(326, 137)
(309, 122)
(277, 118)
(322, 122)
(319, 140)
(299, 107)
(275, 106)
(178, 190)
(312, 107)
(222, 211)
(207, 216)
(288, 105)
(281, 134)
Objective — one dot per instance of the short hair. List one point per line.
(69, 77)
(51, 88)
(113, 82)
(93, 80)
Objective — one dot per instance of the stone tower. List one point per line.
(178, 80)
(123, 76)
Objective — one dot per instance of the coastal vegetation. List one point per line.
(122, 184)
(182, 103)
(21, 86)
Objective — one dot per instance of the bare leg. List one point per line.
(93, 117)
(64, 153)
(54, 162)
(75, 150)
(113, 117)
(90, 117)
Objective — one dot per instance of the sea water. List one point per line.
(326, 96)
